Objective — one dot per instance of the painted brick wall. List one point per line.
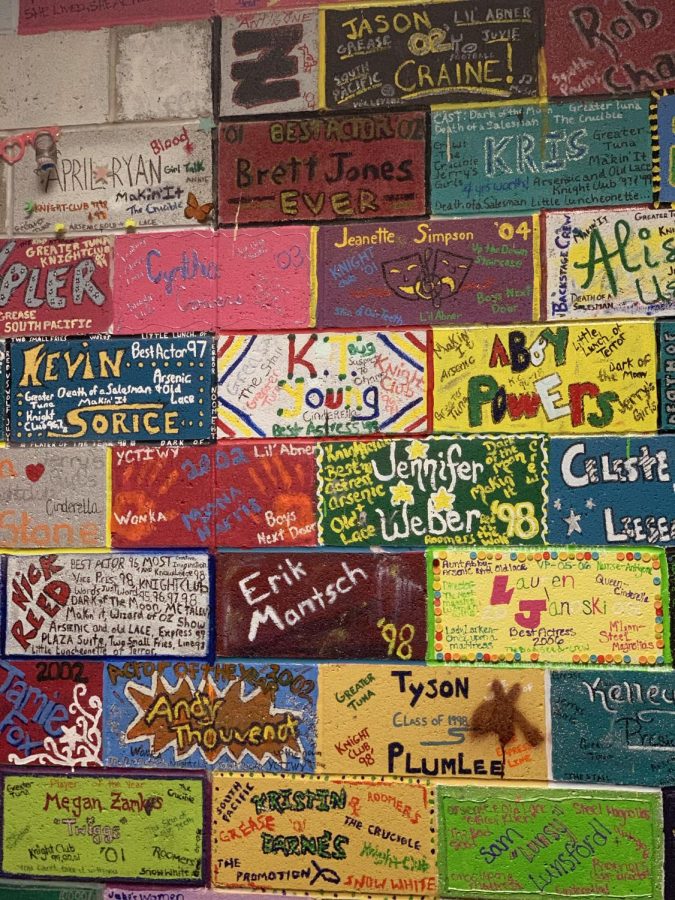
(337, 461)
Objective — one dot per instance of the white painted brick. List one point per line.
(106, 174)
(9, 16)
(163, 73)
(4, 180)
(59, 78)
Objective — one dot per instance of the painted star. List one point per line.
(401, 493)
(590, 503)
(206, 124)
(557, 504)
(572, 522)
(443, 500)
(417, 450)
(101, 174)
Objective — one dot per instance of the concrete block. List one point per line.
(163, 73)
(9, 16)
(270, 62)
(4, 223)
(53, 79)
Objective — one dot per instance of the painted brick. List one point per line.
(663, 112)
(3, 381)
(69, 732)
(612, 490)
(609, 729)
(163, 73)
(55, 287)
(33, 890)
(388, 73)
(148, 892)
(254, 79)
(481, 386)
(609, 47)
(607, 608)
(266, 278)
(666, 371)
(30, 801)
(265, 495)
(288, 385)
(4, 200)
(405, 493)
(609, 263)
(481, 173)
(227, 7)
(263, 716)
(53, 497)
(162, 496)
(427, 273)
(133, 369)
(166, 281)
(351, 854)
(379, 169)
(53, 79)
(9, 16)
(669, 847)
(37, 16)
(108, 604)
(553, 843)
(251, 278)
(416, 720)
(321, 605)
(104, 176)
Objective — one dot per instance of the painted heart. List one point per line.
(35, 472)
(11, 151)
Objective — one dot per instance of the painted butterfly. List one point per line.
(195, 210)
